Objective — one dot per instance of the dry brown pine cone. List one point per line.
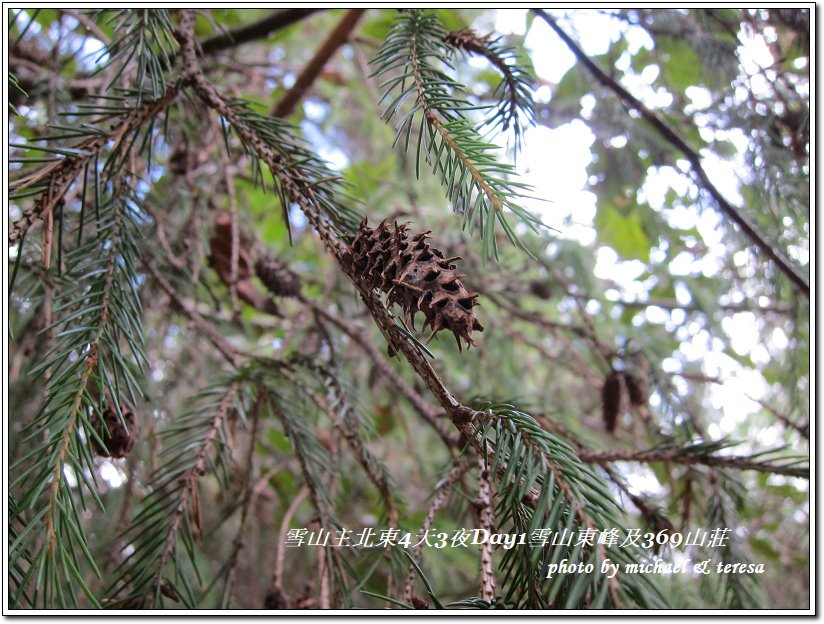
(416, 276)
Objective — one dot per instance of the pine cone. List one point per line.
(540, 289)
(637, 388)
(220, 250)
(118, 441)
(181, 159)
(220, 259)
(416, 276)
(638, 381)
(277, 276)
(612, 400)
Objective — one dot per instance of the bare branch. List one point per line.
(227, 350)
(335, 40)
(277, 576)
(486, 518)
(246, 503)
(277, 20)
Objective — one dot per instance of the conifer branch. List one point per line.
(56, 177)
(516, 87)
(188, 505)
(93, 318)
(302, 179)
(696, 456)
(477, 184)
(169, 521)
(471, 423)
(346, 421)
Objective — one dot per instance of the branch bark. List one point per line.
(748, 227)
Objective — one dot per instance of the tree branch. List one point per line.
(678, 457)
(672, 304)
(277, 20)
(302, 192)
(188, 496)
(58, 176)
(220, 343)
(749, 228)
(335, 40)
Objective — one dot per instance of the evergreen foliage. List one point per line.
(157, 281)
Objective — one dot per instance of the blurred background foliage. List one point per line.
(639, 273)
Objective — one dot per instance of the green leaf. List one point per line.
(680, 65)
(622, 228)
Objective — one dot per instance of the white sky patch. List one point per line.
(723, 175)
(112, 474)
(554, 162)
(68, 474)
(642, 480)
(742, 328)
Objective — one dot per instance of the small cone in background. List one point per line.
(612, 400)
(119, 442)
(277, 276)
(540, 289)
(637, 381)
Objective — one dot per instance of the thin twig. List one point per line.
(670, 304)
(430, 413)
(248, 496)
(235, 236)
(160, 229)
(88, 24)
(226, 349)
(803, 429)
(438, 501)
(280, 557)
